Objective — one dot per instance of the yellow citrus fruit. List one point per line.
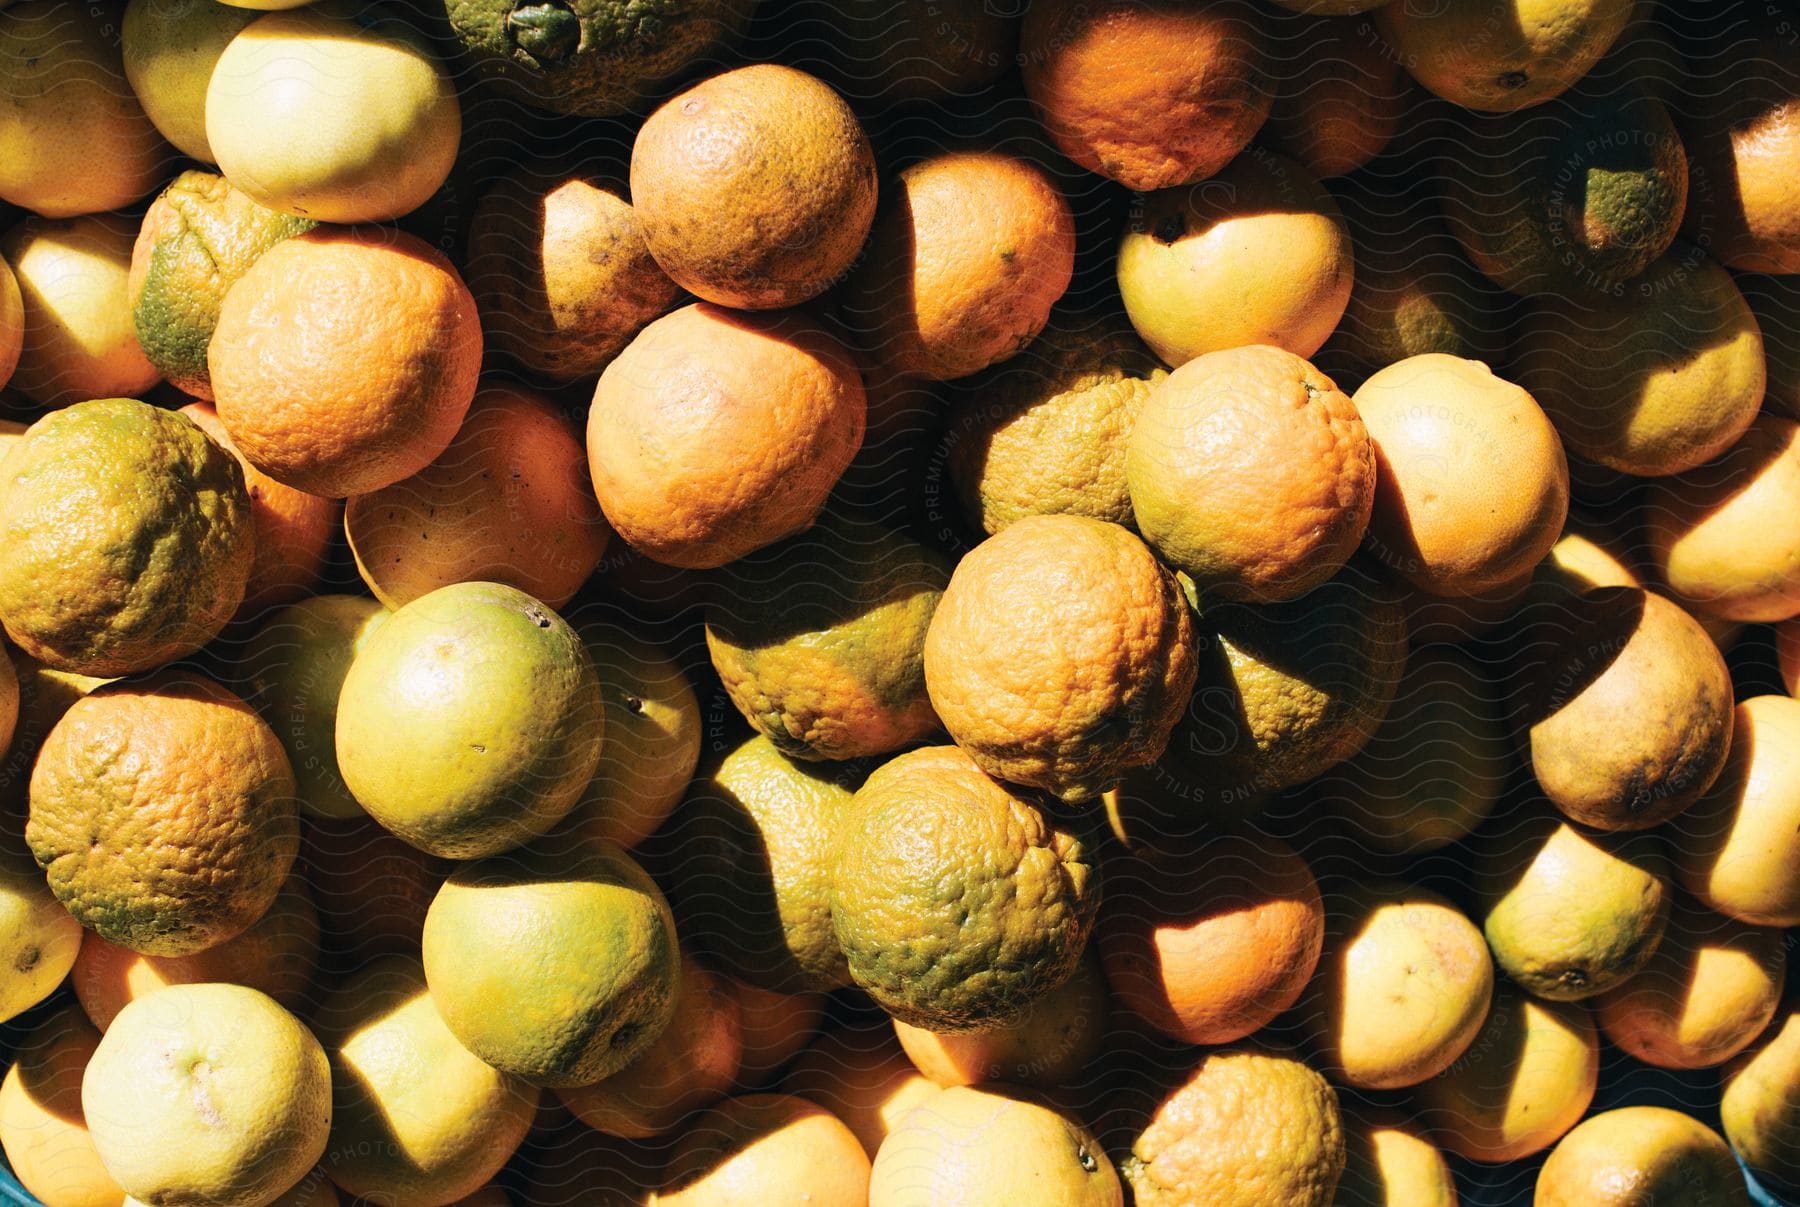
(1245, 1128)
(414, 1117)
(1740, 844)
(209, 1093)
(1252, 473)
(1390, 1162)
(956, 902)
(561, 272)
(73, 139)
(1641, 1155)
(1259, 254)
(693, 1062)
(991, 1146)
(861, 1075)
(42, 1128)
(1502, 55)
(39, 940)
(1066, 701)
(1472, 485)
(1527, 1078)
(78, 338)
(1760, 1091)
(12, 326)
(470, 721)
(163, 814)
(276, 955)
(1404, 986)
(765, 1148)
(557, 963)
(170, 48)
(1569, 912)
(342, 118)
(755, 188)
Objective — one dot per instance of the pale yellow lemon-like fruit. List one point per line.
(79, 341)
(343, 120)
(170, 48)
(39, 939)
(41, 1125)
(1760, 1101)
(1740, 843)
(208, 1093)
(1390, 1161)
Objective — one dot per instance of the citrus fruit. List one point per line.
(1760, 1088)
(1049, 1045)
(508, 501)
(12, 327)
(209, 1093)
(198, 237)
(162, 811)
(1259, 254)
(1389, 1162)
(1638, 1155)
(1437, 766)
(295, 667)
(276, 955)
(715, 433)
(1744, 134)
(39, 940)
(1244, 1128)
(345, 360)
(774, 1027)
(170, 48)
(9, 700)
(372, 890)
(652, 735)
(1472, 483)
(1527, 1078)
(1251, 473)
(336, 117)
(470, 721)
(968, 255)
(1502, 55)
(1342, 98)
(294, 530)
(558, 964)
(1740, 842)
(765, 1148)
(1404, 986)
(1711, 535)
(1066, 700)
(755, 839)
(44, 695)
(693, 1062)
(880, 53)
(1570, 913)
(990, 1146)
(1046, 432)
(78, 340)
(561, 273)
(1152, 95)
(415, 1118)
(73, 139)
(755, 188)
(819, 640)
(1630, 710)
(42, 1129)
(593, 57)
(1709, 989)
(1341, 8)
(861, 1075)
(1655, 381)
(1209, 945)
(956, 902)
(1577, 197)
(129, 536)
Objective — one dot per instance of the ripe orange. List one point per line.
(1343, 97)
(345, 358)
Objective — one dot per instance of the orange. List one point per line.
(1787, 654)
(560, 271)
(42, 1127)
(1344, 96)
(1501, 55)
(1760, 1090)
(1210, 944)
(1252, 473)
(1150, 94)
(508, 501)
(12, 323)
(766, 1148)
(1472, 485)
(1641, 1156)
(716, 433)
(277, 955)
(294, 530)
(1066, 699)
(1719, 535)
(774, 1027)
(345, 358)
(860, 1074)
(1740, 843)
(163, 813)
(966, 259)
(1257, 255)
(755, 188)
(1745, 141)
